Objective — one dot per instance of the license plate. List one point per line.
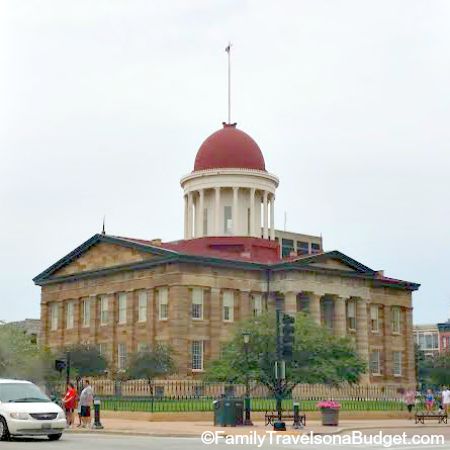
(46, 426)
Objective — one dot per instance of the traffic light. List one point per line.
(288, 336)
(60, 365)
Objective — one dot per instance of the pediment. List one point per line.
(102, 252)
(103, 255)
(333, 260)
(332, 263)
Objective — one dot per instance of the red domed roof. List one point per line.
(229, 148)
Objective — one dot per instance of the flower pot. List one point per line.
(330, 416)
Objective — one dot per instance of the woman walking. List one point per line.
(410, 401)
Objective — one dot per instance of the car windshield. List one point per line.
(22, 393)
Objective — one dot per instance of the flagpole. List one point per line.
(228, 50)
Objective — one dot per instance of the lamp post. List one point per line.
(247, 420)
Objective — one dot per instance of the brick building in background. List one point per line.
(125, 294)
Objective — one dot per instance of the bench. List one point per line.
(272, 416)
(422, 416)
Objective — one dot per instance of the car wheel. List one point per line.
(54, 437)
(4, 432)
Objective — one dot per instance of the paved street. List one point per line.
(108, 441)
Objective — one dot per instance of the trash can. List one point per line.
(228, 412)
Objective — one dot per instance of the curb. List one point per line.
(193, 436)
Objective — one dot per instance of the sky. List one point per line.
(103, 105)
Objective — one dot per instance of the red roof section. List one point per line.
(249, 249)
(229, 148)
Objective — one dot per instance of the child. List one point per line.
(429, 401)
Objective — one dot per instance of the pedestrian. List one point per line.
(410, 401)
(445, 399)
(79, 412)
(86, 400)
(69, 403)
(429, 401)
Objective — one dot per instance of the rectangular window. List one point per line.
(142, 312)
(374, 326)
(327, 313)
(142, 347)
(421, 337)
(205, 222)
(287, 246)
(315, 248)
(54, 316)
(122, 308)
(228, 306)
(397, 364)
(302, 248)
(69, 315)
(227, 220)
(197, 303)
(197, 355)
(435, 341)
(86, 312)
(122, 356)
(351, 315)
(396, 319)
(103, 349)
(163, 303)
(375, 362)
(257, 305)
(104, 310)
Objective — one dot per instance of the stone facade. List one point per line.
(123, 294)
(375, 314)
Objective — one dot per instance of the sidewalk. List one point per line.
(195, 429)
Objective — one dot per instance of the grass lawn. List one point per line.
(257, 404)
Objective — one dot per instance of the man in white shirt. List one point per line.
(446, 399)
(86, 400)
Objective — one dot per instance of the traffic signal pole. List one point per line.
(279, 362)
(67, 368)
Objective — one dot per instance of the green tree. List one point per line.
(318, 357)
(151, 363)
(21, 357)
(436, 370)
(86, 360)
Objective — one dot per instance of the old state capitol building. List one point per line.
(124, 294)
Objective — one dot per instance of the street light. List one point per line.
(247, 420)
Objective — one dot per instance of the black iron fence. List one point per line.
(193, 395)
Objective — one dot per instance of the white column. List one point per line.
(252, 211)
(201, 212)
(272, 217)
(190, 217)
(217, 212)
(265, 216)
(186, 218)
(234, 214)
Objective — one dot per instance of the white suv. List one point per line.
(26, 411)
